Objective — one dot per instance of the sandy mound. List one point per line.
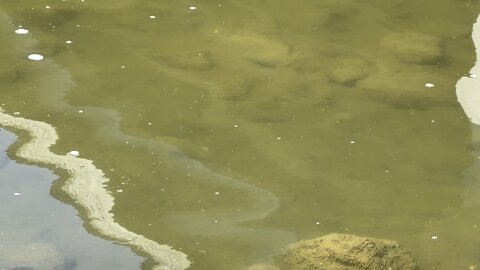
(348, 252)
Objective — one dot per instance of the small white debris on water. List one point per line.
(318, 223)
(429, 85)
(122, 66)
(35, 57)
(216, 221)
(152, 17)
(81, 111)
(433, 121)
(473, 76)
(68, 42)
(16, 113)
(235, 126)
(16, 194)
(217, 193)
(149, 123)
(279, 138)
(352, 142)
(434, 237)
(21, 31)
(73, 153)
(119, 190)
(192, 8)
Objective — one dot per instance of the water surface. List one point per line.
(233, 129)
(39, 232)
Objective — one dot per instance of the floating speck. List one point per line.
(152, 17)
(81, 111)
(16, 194)
(192, 8)
(119, 190)
(47, 7)
(73, 153)
(216, 193)
(21, 31)
(16, 113)
(35, 57)
(434, 237)
(279, 138)
(473, 75)
(68, 42)
(235, 126)
(318, 223)
(352, 142)
(149, 123)
(216, 221)
(429, 85)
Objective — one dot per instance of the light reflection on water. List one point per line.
(260, 102)
(38, 232)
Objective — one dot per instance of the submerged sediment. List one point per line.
(86, 186)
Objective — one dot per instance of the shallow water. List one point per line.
(231, 130)
(39, 232)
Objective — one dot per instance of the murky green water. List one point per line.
(233, 129)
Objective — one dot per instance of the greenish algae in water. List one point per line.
(233, 129)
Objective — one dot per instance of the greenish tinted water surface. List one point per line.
(231, 130)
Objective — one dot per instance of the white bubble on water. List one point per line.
(429, 85)
(35, 57)
(21, 31)
(192, 8)
(74, 153)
